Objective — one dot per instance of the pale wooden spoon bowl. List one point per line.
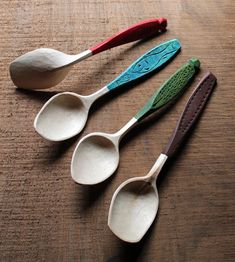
(134, 206)
(95, 158)
(62, 117)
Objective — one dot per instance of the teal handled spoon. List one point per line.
(96, 156)
(135, 203)
(65, 114)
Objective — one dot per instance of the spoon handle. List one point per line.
(192, 110)
(152, 60)
(136, 32)
(170, 89)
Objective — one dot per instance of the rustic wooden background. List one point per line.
(44, 215)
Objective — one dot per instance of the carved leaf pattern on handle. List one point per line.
(170, 89)
(147, 63)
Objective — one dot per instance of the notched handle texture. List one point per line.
(170, 89)
(147, 63)
(136, 32)
(192, 110)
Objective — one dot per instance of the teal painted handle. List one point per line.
(170, 89)
(150, 61)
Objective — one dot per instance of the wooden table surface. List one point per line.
(44, 215)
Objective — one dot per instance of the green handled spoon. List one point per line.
(96, 156)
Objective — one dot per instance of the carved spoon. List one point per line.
(65, 114)
(135, 203)
(96, 156)
(45, 67)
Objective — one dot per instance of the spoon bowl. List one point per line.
(63, 116)
(134, 205)
(95, 158)
(41, 68)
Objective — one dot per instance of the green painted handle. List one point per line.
(170, 89)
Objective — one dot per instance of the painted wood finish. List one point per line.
(191, 112)
(153, 60)
(170, 89)
(136, 32)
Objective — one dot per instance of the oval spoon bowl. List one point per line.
(63, 116)
(134, 205)
(95, 158)
(40, 69)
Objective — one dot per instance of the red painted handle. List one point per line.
(136, 32)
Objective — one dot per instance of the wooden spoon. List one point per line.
(45, 67)
(135, 203)
(65, 114)
(96, 156)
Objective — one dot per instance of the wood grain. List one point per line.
(44, 215)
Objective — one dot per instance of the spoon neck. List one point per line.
(127, 127)
(83, 55)
(91, 98)
(156, 169)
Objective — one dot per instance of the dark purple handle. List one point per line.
(192, 110)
